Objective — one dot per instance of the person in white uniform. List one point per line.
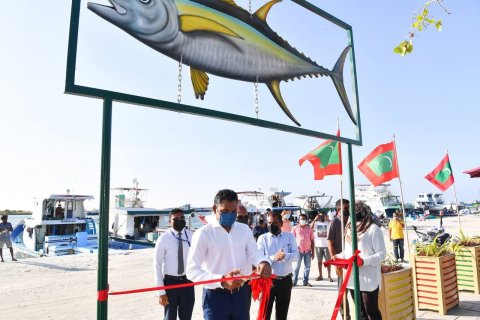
(171, 252)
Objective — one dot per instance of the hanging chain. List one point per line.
(179, 87)
(256, 97)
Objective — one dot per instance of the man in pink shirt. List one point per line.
(304, 236)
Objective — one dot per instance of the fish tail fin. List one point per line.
(274, 87)
(337, 78)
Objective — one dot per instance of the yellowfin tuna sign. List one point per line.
(219, 38)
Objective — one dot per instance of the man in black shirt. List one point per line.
(334, 239)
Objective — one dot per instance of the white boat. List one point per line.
(433, 202)
(380, 199)
(314, 202)
(256, 201)
(58, 226)
(132, 222)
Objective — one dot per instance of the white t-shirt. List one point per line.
(320, 231)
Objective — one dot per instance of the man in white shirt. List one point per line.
(171, 252)
(281, 248)
(224, 248)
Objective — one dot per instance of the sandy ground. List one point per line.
(65, 287)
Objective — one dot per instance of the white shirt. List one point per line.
(166, 254)
(270, 245)
(373, 252)
(320, 231)
(215, 252)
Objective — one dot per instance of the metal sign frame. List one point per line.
(109, 96)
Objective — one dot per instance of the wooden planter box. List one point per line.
(395, 298)
(468, 269)
(435, 283)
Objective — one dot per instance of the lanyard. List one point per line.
(180, 237)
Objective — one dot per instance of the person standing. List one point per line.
(261, 228)
(395, 230)
(286, 222)
(372, 251)
(171, 252)
(304, 236)
(281, 249)
(223, 249)
(5, 229)
(334, 239)
(320, 229)
(242, 215)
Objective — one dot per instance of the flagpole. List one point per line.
(341, 194)
(401, 194)
(456, 199)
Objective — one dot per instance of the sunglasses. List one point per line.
(179, 218)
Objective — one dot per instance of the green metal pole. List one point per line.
(356, 281)
(102, 272)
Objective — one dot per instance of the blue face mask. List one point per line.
(227, 218)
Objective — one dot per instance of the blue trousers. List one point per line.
(307, 260)
(180, 301)
(221, 305)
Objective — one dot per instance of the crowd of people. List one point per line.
(233, 243)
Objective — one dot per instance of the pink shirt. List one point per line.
(286, 226)
(304, 237)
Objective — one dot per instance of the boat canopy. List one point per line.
(67, 197)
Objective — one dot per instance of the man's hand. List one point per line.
(232, 284)
(163, 300)
(264, 270)
(280, 255)
(313, 255)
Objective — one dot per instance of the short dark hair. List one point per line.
(173, 211)
(276, 215)
(4, 216)
(302, 215)
(337, 204)
(225, 195)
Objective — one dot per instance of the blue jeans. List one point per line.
(307, 260)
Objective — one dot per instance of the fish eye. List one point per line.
(145, 1)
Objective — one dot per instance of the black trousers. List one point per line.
(369, 305)
(398, 248)
(180, 301)
(280, 293)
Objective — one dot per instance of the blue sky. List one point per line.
(51, 141)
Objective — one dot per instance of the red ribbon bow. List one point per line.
(345, 264)
(262, 286)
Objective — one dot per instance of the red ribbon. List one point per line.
(103, 295)
(345, 264)
(259, 286)
(262, 286)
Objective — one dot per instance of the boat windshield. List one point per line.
(65, 229)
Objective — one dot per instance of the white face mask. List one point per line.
(303, 222)
(286, 217)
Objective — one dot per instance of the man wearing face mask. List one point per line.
(304, 236)
(171, 251)
(281, 249)
(242, 215)
(223, 249)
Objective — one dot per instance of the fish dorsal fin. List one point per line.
(274, 87)
(263, 11)
(189, 23)
(199, 82)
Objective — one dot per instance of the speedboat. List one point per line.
(380, 199)
(258, 202)
(58, 226)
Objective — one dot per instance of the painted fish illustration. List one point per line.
(220, 38)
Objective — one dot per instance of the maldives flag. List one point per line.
(326, 159)
(381, 164)
(442, 175)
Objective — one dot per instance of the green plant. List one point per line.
(464, 241)
(433, 249)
